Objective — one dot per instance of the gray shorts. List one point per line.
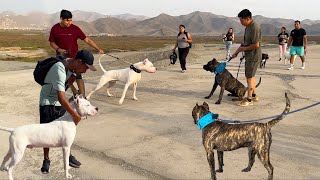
(251, 68)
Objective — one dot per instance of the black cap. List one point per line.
(87, 58)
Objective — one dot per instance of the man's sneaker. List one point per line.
(45, 169)
(302, 67)
(290, 68)
(183, 71)
(73, 162)
(279, 59)
(245, 103)
(256, 98)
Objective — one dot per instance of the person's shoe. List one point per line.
(245, 103)
(183, 71)
(290, 68)
(256, 98)
(279, 59)
(73, 162)
(45, 169)
(303, 67)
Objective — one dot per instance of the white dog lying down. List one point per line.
(58, 133)
(130, 75)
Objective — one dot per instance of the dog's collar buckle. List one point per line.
(135, 69)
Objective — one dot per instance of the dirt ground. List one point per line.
(155, 137)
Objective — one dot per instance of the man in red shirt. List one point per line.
(63, 39)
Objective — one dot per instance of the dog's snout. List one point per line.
(97, 108)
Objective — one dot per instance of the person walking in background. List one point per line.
(63, 39)
(283, 39)
(228, 41)
(53, 102)
(298, 38)
(183, 43)
(252, 50)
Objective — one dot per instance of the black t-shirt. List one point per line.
(283, 38)
(297, 36)
(229, 36)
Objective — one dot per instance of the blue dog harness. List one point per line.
(220, 68)
(206, 120)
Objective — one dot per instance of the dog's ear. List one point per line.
(145, 61)
(206, 106)
(197, 105)
(214, 60)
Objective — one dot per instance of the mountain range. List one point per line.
(197, 23)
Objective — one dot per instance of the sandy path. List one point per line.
(155, 138)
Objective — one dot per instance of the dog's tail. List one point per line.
(281, 116)
(6, 129)
(101, 64)
(258, 83)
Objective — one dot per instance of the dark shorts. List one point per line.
(251, 68)
(48, 113)
(79, 76)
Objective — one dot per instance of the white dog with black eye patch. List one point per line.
(130, 75)
(58, 133)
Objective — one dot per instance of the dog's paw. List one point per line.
(68, 176)
(135, 98)
(3, 168)
(109, 94)
(120, 101)
(207, 97)
(219, 170)
(218, 102)
(246, 169)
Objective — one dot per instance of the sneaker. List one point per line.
(45, 169)
(183, 71)
(256, 98)
(302, 67)
(279, 59)
(290, 68)
(73, 162)
(245, 103)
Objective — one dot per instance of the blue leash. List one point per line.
(270, 117)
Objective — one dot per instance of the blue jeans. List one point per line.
(228, 48)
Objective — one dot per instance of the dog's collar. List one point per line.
(220, 68)
(206, 120)
(135, 69)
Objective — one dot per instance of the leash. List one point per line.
(270, 117)
(115, 58)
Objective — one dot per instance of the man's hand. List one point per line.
(305, 50)
(76, 118)
(100, 51)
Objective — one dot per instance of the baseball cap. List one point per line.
(87, 58)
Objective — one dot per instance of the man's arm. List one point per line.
(289, 41)
(57, 48)
(67, 106)
(246, 48)
(92, 44)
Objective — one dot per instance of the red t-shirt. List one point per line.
(66, 38)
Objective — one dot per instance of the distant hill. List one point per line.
(197, 23)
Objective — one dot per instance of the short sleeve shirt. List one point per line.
(297, 36)
(283, 37)
(252, 35)
(67, 37)
(54, 81)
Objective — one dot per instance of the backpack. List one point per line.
(186, 33)
(173, 57)
(42, 68)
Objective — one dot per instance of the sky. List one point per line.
(289, 9)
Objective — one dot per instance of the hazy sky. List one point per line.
(290, 9)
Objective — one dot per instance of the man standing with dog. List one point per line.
(63, 39)
(53, 101)
(252, 50)
(298, 38)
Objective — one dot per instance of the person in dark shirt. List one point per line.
(283, 39)
(228, 40)
(298, 38)
(63, 39)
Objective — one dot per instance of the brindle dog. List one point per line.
(227, 137)
(226, 81)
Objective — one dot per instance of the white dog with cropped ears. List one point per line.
(130, 75)
(58, 133)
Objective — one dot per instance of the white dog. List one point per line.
(287, 56)
(58, 133)
(130, 75)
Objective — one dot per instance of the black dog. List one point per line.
(264, 59)
(226, 81)
(220, 136)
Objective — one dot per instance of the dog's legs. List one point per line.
(5, 159)
(134, 91)
(103, 81)
(264, 157)
(111, 84)
(220, 160)
(214, 87)
(221, 94)
(66, 154)
(124, 93)
(210, 157)
(251, 154)
(17, 155)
